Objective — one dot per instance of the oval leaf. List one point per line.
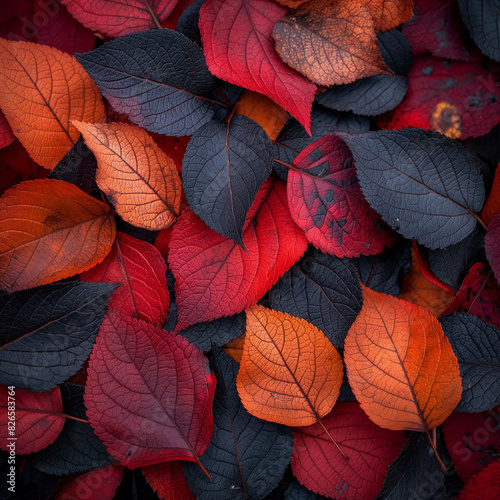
(326, 202)
(400, 365)
(274, 382)
(331, 43)
(43, 89)
(50, 230)
(140, 268)
(39, 419)
(47, 333)
(111, 18)
(424, 185)
(239, 48)
(137, 176)
(215, 277)
(138, 402)
(319, 466)
(221, 186)
(158, 78)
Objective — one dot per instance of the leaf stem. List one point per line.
(153, 15)
(332, 440)
(75, 418)
(228, 104)
(198, 461)
(432, 441)
(481, 222)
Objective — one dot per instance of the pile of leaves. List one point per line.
(250, 249)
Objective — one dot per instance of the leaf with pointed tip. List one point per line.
(400, 365)
(168, 481)
(424, 185)
(140, 268)
(323, 290)
(139, 402)
(492, 245)
(221, 185)
(477, 347)
(319, 466)
(111, 18)
(214, 276)
(239, 48)
(246, 454)
(482, 19)
(46, 333)
(159, 78)
(209, 334)
(274, 382)
(50, 230)
(39, 419)
(478, 295)
(139, 178)
(77, 448)
(370, 96)
(326, 202)
(331, 43)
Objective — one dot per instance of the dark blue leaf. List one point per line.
(396, 51)
(157, 77)
(222, 170)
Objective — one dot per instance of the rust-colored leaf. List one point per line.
(140, 180)
(269, 115)
(290, 373)
(235, 348)
(50, 230)
(43, 89)
(400, 365)
(330, 42)
(388, 14)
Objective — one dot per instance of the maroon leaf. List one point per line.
(168, 481)
(6, 135)
(38, 419)
(149, 394)
(238, 44)
(326, 202)
(319, 466)
(214, 276)
(140, 268)
(492, 245)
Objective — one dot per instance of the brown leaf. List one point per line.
(388, 14)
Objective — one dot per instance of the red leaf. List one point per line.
(214, 276)
(492, 245)
(458, 99)
(486, 485)
(472, 440)
(57, 28)
(39, 419)
(6, 135)
(326, 202)
(16, 21)
(478, 295)
(168, 481)
(149, 394)
(97, 484)
(238, 45)
(141, 270)
(437, 27)
(319, 466)
(171, 21)
(113, 18)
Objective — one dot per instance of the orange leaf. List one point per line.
(43, 89)
(292, 4)
(50, 230)
(290, 372)
(235, 348)
(140, 180)
(330, 42)
(492, 205)
(400, 365)
(388, 14)
(416, 288)
(269, 115)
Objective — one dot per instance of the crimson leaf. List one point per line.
(47, 332)
(223, 168)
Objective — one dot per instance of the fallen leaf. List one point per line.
(237, 41)
(388, 14)
(39, 419)
(485, 485)
(234, 348)
(492, 205)
(50, 230)
(44, 89)
(400, 365)
(168, 481)
(274, 382)
(141, 181)
(331, 43)
(138, 403)
(6, 135)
